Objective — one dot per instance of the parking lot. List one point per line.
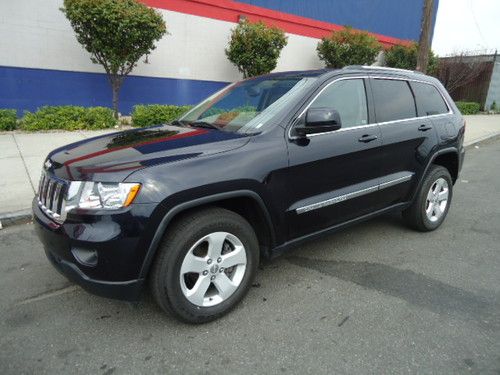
(376, 298)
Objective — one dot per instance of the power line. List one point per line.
(476, 23)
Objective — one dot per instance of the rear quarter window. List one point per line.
(429, 100)
(393, 100)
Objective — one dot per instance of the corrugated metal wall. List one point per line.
(494, 89)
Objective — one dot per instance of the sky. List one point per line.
(467, 25)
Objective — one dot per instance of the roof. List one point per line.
(350, 69)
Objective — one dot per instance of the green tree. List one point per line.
(405, 57)
(348, 47)
(116, 33)
(255, 47)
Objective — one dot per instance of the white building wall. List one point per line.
(35, 34)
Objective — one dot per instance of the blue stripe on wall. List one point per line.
(28, 89)
(396, 18)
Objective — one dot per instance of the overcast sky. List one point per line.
(467, 25)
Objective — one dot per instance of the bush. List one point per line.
(99, 118)
(494, 106)
(468, 108)
(405, 57)
(68, 118)
(156, 114)
(255, 47)
(348, 47)
(8, 119)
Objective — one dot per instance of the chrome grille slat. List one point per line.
(51, 195)
(56, 197)
(40, 184)
(43, 188)
(46, 191)
(62, 195)
(50, 187)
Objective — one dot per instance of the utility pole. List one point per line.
(424, 43)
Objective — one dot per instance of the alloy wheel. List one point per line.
(212, 269)
(437, 200)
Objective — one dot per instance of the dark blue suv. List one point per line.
(266, 163)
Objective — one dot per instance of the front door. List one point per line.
(333, 176)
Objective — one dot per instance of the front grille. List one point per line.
(51, 197)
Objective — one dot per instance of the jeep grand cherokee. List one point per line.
(257, 168)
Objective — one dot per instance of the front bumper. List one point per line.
(124, 290)
(119, 242)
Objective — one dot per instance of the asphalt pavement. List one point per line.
(375, 298)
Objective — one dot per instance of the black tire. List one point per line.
(180, 237)
(415, 215)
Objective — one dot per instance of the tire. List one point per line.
(417, 216)
(202, 242)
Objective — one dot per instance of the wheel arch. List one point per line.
(445, 156)
(449, 160)
(246, 203)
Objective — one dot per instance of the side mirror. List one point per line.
(319, 120)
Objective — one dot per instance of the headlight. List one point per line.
(100, 195)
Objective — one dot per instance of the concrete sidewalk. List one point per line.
(22, 156)
(21, 159)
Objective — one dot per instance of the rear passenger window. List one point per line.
(348, 97)
(393, 100)
(429, 100)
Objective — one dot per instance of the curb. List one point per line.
(485, 139)
(15, 218)
(26, 215)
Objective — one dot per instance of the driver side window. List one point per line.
(348, 97)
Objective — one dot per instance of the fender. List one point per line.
(429, 163)
(153, 247)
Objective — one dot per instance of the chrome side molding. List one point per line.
(354, 194)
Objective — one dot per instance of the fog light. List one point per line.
(87, 257)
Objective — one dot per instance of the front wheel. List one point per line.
(432, 202)
(205, 265)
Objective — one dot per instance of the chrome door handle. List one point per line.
(367, 138)
(424, 127)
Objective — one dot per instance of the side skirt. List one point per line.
(287, 246)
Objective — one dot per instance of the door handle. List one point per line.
(424, 127)
(367, 138)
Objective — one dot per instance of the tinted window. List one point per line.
(429, 100)
(393, 100)
(348, 97)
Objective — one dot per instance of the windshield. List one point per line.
(246, 106)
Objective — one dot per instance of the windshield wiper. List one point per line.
(203, 124)
(178, 123)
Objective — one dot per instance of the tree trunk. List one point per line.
(116, 83)
(424, 42)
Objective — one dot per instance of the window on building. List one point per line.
(393, 100)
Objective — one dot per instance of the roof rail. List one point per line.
(371, 67)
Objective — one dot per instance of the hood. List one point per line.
(112, 157)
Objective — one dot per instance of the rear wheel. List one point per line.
(432, 202)
(205, 265)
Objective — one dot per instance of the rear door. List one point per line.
(333, 176)
(407, 139)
